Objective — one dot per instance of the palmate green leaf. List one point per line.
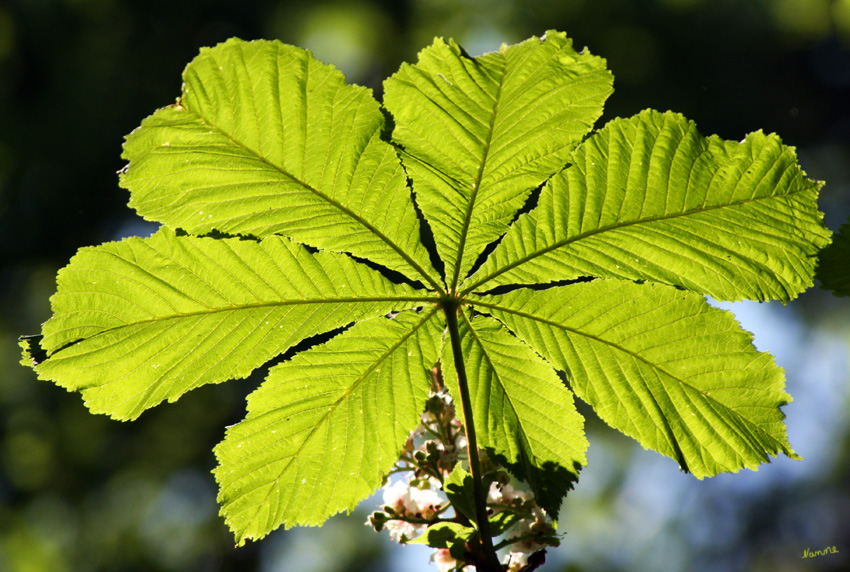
(265, 139)
(326, 426)
(660, 365)
(270, 144)
(649, 198)
(522, 411)
(834, 263)
(140, 321)
(478, 134)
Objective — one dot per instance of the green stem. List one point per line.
(451, 308)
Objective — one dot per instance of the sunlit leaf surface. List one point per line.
(292, 208)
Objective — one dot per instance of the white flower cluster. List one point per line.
(416, 502)
(529, 533)
(413, 504)
(532, 532)
(445, 562)
(440, 434)
(431, 451)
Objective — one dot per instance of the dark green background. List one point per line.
(84, 493)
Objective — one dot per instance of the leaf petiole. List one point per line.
(491, 560)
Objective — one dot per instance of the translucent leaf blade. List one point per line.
(140, 321)
(522, 410)
(661, 365)
(326, 426)
(265, 140)
(478, 134)
(649, 198)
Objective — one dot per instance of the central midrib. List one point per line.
(561, 243)
(624, 350)
(257, 305)
(330, 410)
(477, 184)
(412, 263)
(497, 374)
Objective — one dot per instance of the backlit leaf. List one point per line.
(325, 427)
(660, 365)
(478, 134)
(140, 321)
(302, 210)
(265, 139)
(522, 410)
(650, 198)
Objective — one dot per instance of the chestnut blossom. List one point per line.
(396, 496)
(443, 559)
(537, 524)
(425, 502)
(430, 454)
(505, 494)
(402, 531)
(406, 501)
(516, 561)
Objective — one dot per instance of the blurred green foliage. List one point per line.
(84, 493)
